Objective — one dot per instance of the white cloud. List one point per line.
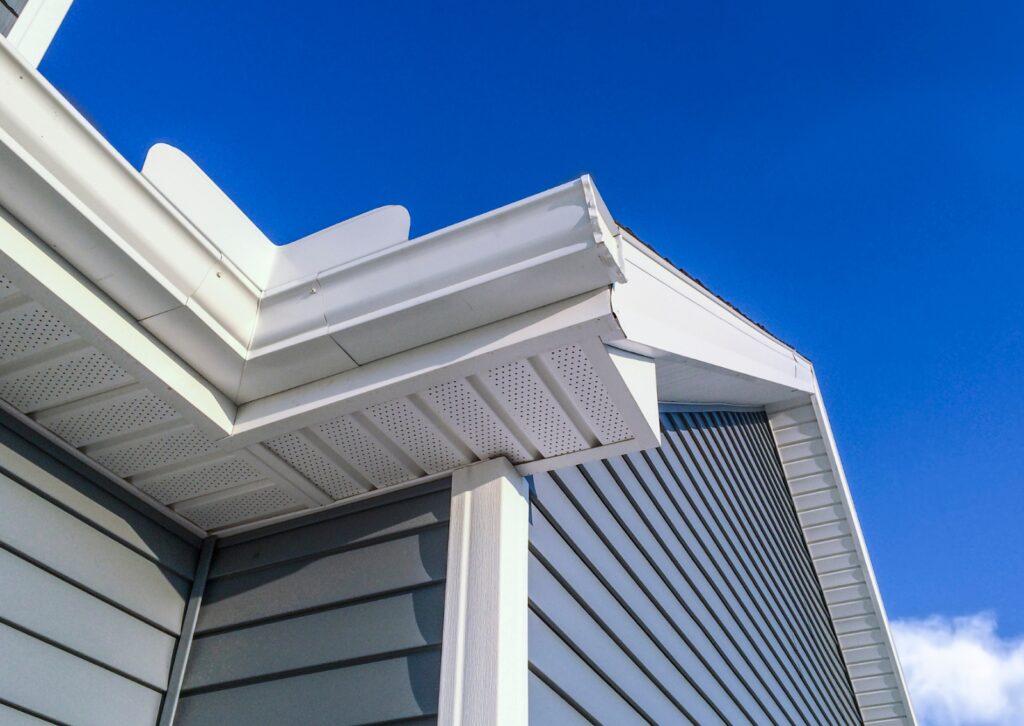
(959, 671)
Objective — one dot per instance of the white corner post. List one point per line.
(484, 658)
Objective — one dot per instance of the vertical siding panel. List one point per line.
(706, 598)
(560, 528)
(644, 570)
(722, 661)
(747, 523)
(748, 569)
(757, 438)
(547, 706)
(557, 661)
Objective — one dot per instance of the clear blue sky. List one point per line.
(851, 176)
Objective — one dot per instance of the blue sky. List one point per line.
(851, 175)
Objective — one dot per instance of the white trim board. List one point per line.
(840, 557)
(484, 665)
(36, 26)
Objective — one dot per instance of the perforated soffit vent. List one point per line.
(540, 408)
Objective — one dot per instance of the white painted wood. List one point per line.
(484, 655)
(34, 30)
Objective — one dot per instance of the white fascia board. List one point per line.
(576, 320)
(662, 311)
(849, 512)
(36, 25)
(639, 375)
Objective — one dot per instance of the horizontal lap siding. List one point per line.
(828, 531)
(336, 621)
(94, 592)
(673, 586)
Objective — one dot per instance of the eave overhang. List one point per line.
(286, 378)
(156, 333)
(162, 275)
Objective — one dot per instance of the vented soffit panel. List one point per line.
(542, 390)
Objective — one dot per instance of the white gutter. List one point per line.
(307, 311)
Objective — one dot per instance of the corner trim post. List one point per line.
(484, 655)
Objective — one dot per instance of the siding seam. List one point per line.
(88, 590)
(45, 496)
(78, 654)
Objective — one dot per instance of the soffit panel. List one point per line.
(560, 402)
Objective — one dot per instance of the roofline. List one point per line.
(133, 244)
(696, 284)
(108, 250)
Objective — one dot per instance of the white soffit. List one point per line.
(175, 370)
(553, 398)
(832, 531)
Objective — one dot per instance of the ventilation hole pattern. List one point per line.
(200, 480)
(112, 418)
(153, 453)
(313, 465)
(7, 287)
(573, 366)
(242, 508)
(28, 329)
(475, 422)
(416, 435)
(358, 447)
(531, 401)
(70, 378)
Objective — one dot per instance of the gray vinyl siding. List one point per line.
(674, 586)
(93, 591)
(335, 619)
(9, 12)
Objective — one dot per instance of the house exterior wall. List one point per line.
(333, 619)
(674, 585)
(92, 591)
(9, 12)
